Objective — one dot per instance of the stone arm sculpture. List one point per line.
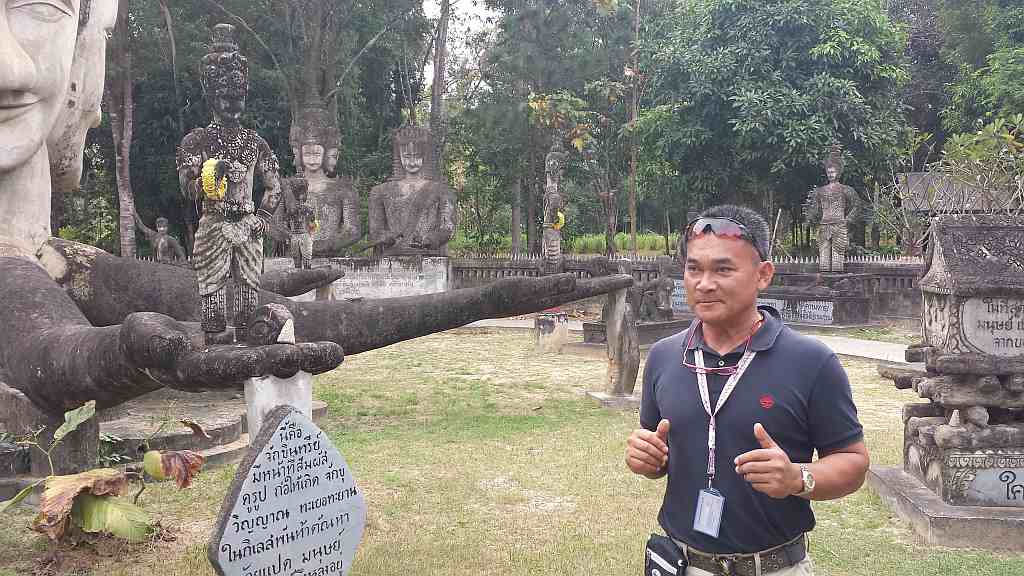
(349, 231)
(852, 204)
(812, 207)
(267, 167)
(146, 230)
(54, 355)
(87, 274)
(380, 234)
(446, 220)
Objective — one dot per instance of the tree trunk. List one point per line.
(517, 216)
(634, 112)
(438, 119)
(121, 111)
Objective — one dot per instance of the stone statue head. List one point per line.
(331, 160)
(413, 148)
(40, 66)
(315, 137)
(225, 76)
(81, 110)
(312, 156)
(834, 164)
(161, 225)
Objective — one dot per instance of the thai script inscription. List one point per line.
(298, 510)
(994, 325)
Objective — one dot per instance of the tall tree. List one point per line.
(122, 109)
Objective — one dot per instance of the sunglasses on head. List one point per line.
(721, 227)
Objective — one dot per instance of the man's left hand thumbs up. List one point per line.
(769, 470)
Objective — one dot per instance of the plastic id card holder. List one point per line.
(708, 518)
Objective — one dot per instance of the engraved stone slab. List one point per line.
(994, 325)
(393, 277)
(679, 305)
(293, 508)
(987, 479)
(802, 311)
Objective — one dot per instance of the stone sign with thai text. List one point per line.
(980, 479)
(994, 325)
(293, 508)
(802, 311)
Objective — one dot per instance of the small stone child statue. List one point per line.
(302, 224)
(166, 248)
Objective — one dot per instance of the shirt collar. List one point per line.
(762, 340)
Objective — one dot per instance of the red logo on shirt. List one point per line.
(767, 401)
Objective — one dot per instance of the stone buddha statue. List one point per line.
(414, 212)
(833, 206)
(229, 239)
(334, 200)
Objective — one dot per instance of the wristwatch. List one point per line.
(808, 478)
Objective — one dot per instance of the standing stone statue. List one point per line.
(302, 224)
(414, 212)
(166, 248)
(834, 205)
(551, 241)
(334, 200)
(229, 240)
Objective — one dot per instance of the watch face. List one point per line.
(808, 480)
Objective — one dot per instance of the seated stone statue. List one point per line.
(656, 294)
(81, 324)
(413, 213)
(166, 248)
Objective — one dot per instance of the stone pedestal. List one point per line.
(942, 524)
(552, 332)
(265, 393)
(389, 277)
(77, 452)
(647, 332)
(623, 349)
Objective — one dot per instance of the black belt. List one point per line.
(772, 560)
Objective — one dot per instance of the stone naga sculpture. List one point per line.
(229, 239)
(834, 206)
(81, 324)
(414, 212)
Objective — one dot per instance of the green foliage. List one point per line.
(987, 167)
(647, 242)
(73, 419)
(750, 94)
(106, 514)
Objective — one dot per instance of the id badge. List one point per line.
(708, 518)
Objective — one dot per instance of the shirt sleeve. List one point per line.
(833, 415)
(650, 414)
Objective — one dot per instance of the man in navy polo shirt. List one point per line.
(734, 408)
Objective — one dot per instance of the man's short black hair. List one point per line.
(751, 220)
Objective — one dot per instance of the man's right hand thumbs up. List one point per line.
(647, 452)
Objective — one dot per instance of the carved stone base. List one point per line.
(615, 401)
(552, 332)
(940, 524)
(970, 478)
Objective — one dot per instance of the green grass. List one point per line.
(478, 456)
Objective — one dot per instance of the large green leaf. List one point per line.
(61, 492)
(107, 514)
(8, 504)
(74, 419)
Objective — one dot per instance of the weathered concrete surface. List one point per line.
(551, 331)
(940, 524)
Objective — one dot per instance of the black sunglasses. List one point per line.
(722, 227)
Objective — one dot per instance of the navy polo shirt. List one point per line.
(795, 387)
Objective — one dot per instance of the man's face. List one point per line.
(85, 90)
(722, 277)
(37, 45)
(412, 159)
(312, 156)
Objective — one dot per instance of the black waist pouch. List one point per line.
(663, 558)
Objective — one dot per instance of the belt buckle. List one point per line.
(725, 565)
